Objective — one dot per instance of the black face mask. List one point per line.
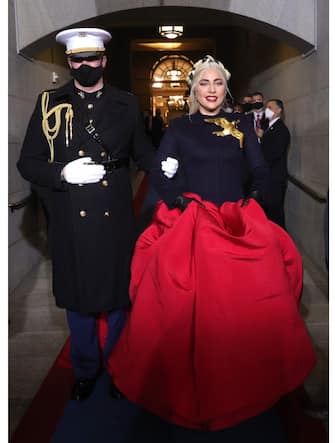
(257, 105)
(87, 75)
(246, 107)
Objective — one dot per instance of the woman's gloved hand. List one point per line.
(256, 195)
(182, 202)
(169, 167)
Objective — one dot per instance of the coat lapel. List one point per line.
(273, 127)
(116, 106)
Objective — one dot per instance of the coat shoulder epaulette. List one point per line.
(120, 95)
(51, 91)
(60, 94)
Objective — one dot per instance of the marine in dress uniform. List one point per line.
(76, 153)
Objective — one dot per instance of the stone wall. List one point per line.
(27, 77)
(302, 82)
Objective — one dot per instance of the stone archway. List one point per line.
(38, 20)
(302, 82)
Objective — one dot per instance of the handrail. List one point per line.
(18, 205)
(301, 185)
(310, 191)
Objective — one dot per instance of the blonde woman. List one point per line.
(209, 152)
(214, 335)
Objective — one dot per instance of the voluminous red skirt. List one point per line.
(214, 335)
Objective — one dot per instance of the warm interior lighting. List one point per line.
(163, 46)
(171, 31)
(174, 74)
(176, 102)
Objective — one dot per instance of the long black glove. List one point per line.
(256, 195)
(182, 202)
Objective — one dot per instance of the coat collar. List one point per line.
(65, 92)
(273, 126)
(274, 122)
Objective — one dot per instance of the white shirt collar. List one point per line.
(272, 122)
(260, 113)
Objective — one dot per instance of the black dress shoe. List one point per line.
(82, 388)
(114, 392)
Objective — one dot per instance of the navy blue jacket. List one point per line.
(209, 165)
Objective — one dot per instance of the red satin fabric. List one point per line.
(214, 335)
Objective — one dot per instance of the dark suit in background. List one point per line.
(275, 142)
(264, 123)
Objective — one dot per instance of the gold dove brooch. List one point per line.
(228, 128)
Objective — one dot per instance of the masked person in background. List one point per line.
(214, 335)
(245, 103)
(257, 107)
(76, 155)
(275, 141)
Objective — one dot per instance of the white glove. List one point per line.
(83, 171)
(170, 166)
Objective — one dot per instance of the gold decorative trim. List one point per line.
(78, 50)
(51, 133)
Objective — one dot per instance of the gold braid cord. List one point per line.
(51, 133)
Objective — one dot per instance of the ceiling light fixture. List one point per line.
(171, 31)
(174, 74)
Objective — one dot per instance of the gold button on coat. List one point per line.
(81, 153)
(106, 214)
(104, 182)
(90, 106)
(103, 154)
(83, 213)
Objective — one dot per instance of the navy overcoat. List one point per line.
(91, 227)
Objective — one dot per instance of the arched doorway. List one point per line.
(168, 85)
(281, 49)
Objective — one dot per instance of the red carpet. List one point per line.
(46, 408)
(48, 404)
(40, 420)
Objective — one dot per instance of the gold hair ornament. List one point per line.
(51, 133)
(228, 128)
(208, 59)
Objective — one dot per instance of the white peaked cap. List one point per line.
(83, 40)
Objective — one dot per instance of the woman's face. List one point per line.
(210, 91)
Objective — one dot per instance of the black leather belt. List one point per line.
(115, 163)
